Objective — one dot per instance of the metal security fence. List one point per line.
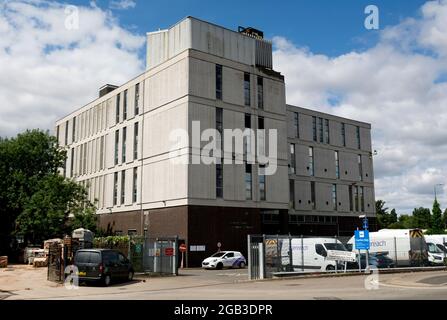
(280, 255)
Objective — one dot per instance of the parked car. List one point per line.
(102, 265)
(225, 259)
(380, 260)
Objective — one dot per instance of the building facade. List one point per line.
(123, 146)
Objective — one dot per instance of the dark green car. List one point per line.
(102, 265)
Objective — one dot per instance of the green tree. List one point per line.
(421, 218)
(382, 214)
(32, 189)
(444, 219)
(86, 219)
(393, 216)
(437, 226)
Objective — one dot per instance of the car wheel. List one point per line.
(130, 275)
(330, 268)
(219, 266)
(242, 264)
(107, 280)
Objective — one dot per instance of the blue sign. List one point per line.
(365, 224)
(362, 239)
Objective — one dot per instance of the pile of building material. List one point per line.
(3, 262)
(40, 262)
(32, 253)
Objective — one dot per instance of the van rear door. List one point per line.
(87, 263)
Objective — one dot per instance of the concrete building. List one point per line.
(119, 146)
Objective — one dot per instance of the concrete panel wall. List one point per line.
(233, 86)
(323, 196)
(302, 195)
(324, 160)
(202, 75)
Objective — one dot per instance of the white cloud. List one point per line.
(395, 86)
(48, 70)
(123, 4)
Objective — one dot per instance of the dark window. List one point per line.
(261, 123)
(123, 186)
(262, 195)
(292, 165)
(334, 196)
(320, 129)
(66, 133)
(73, 133)
(356, 198)
(320, 250)
(137, 98)
(358, 137)
(218, 82)
(296, 126)
(87, 257)
(72, 162)
(312, 195)
(125, 105)
(123, 151)
(248, 182)
(314, 128)
(135, 141)
(326, 131)
(351, 207)
(337, 165)
(219, 126)
(247, 120)
(311, 161)
(57, 134)
(134, 185)
(117, 111)
(359, 161)
(115, 188)
(291, 194)
(101, 154)
(343, 134)
(219, 180)
(260, 93)
(362, 199)
(247, 89)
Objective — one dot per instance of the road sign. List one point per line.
(169, 252)
(365, 223)
(362, 239)
(219, 245)
(182, 247)
(339, 255)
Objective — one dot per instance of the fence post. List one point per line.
(443, 245)
(262, 271)
(336, 262)
(395, 252)
(302, 253)
(250, 268)
(290, 253)
(174, 262)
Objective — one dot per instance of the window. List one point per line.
(291, 194)
(135, 141)
(101, 154)
(351, 207)
(334, 196)
(137, 98)
(123, 151)
(296, 128)
(320, 129)
(358, 137)
(359, 161)
(314, 128)
(292, 165)
(219, 126)
(72, 162)
(85, 158)
(343, 134)
(57, 134)
(260, 93)
(134, 185)
(219, 180)
(117, 141)
(337, 165)
(312, 195)
(115, 188)
(66, 133)
(125, 105)
(326, 131)
(310, 167)
(247, 89)
(218, 82)
(117, 111)
(248, 182)
(247, 142)
(73, 131)
(362, 199)
(356, 198)
(320, 250)
(262, 195)
(261, 123)
(123, 185)
(81, 159)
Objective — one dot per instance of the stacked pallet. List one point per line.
(40, 262)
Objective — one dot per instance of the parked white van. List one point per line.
(437, 251)
(407, 247)
(310, 254)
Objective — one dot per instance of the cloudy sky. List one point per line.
(394, 78)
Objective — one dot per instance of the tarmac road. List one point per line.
(192, 284)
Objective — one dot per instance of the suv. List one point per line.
(102, 265)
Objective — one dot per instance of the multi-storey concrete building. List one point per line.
(120, 146)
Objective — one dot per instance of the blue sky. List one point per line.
(324, 26)
(394, 78)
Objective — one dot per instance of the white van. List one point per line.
(437, 251)
(407, 247)
(309, 254)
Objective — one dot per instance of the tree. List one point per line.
(437, 226)
(86, 219)
(444, 219)
(382, 214)
(393, 216)
(32, 189)
(421, 218)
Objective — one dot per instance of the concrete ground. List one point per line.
(24, 282)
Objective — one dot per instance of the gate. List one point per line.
(160, 256)
(55, 271)
(256, 254)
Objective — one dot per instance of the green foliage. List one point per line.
(35, 200)
(86, 219)
(437, 226)
(421, 218)
(111, 241)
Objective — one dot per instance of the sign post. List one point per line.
(362, 243)
(182, 249)
(219, 245)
